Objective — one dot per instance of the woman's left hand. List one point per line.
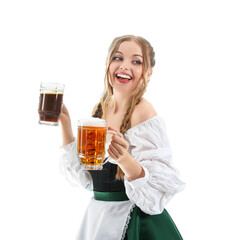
(118, 147)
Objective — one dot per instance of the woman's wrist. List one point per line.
(131, 168)
(67, 133)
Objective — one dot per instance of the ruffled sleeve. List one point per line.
(149, 145)
(70, 167)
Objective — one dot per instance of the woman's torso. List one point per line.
(105, 181)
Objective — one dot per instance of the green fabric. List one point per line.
(143, 226)
(151, 227)
(110, 196)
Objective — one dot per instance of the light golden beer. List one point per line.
(91, 142)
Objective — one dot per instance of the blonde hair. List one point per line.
(148, 62)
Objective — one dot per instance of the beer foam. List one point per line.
(92, 122)
(50, 92)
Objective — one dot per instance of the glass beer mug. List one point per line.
(51, 101)
(92, 134)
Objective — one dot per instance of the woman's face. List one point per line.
(125, 70)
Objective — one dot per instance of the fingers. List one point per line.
(64, 109)
(113, 153)
(118, 149)
(114, 129)
(64, 116)
(120, 141)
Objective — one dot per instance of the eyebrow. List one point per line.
(134, 55)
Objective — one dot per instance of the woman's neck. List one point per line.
(120, 102)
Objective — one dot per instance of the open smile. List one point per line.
(123, 77)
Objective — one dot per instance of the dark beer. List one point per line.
(50, 106)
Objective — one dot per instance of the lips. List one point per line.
(123, 77)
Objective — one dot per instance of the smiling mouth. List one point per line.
(123, 77)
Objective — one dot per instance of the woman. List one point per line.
(134, 186)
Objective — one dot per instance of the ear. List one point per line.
(149, 73)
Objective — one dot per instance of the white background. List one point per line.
(67, 42)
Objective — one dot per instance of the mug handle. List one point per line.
(106, 158)
(111, 132)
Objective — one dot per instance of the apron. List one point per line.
(112, 216)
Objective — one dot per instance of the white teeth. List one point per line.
(123, 76)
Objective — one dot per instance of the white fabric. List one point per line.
(109, 222)
(149, 145)
(70, 167)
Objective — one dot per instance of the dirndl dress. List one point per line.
(129, 210)
(110, 214)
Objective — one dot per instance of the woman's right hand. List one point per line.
(65, 116)
(65, 123)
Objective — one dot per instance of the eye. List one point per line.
(138, 62)
(117, 58)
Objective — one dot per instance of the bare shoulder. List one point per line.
(142, 112)
(94, 109)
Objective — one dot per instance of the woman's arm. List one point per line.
(65, 123)
(69, 159)
(118, 151)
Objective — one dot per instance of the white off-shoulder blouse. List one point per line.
(149, 145)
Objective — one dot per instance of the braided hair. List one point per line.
(148, 62)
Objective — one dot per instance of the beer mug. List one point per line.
(51, 101)
(92, 134)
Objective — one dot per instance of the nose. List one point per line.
(124, 66)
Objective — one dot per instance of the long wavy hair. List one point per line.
(148, 62)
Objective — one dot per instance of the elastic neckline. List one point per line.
(143, 123)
